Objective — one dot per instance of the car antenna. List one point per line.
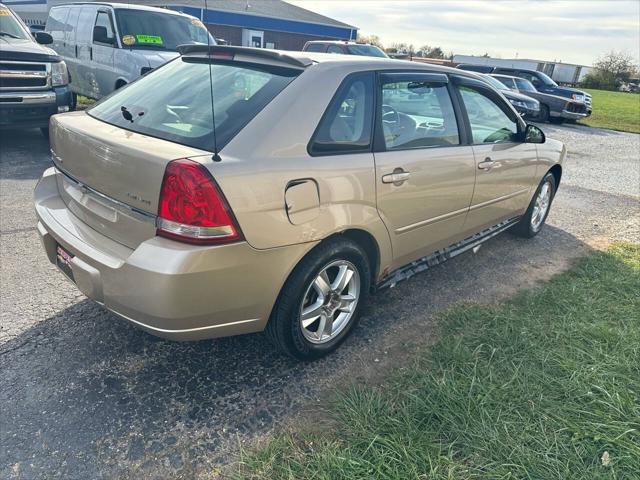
(216, 157)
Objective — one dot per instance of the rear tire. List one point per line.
(301, 307)
(533, 219)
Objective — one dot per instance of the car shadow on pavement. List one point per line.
(24, 154)
(86, 395)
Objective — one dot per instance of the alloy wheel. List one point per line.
(541, 206)
(330, 302)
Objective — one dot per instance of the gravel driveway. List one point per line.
(85, 395)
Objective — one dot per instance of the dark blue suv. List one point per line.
(542, 82)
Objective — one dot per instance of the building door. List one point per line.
(252, 38)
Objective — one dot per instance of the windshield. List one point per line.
(366, 51)
(525, 85)
(9, 25)
(495, 83)
(159, 31)
(546, 79)
(174, 101)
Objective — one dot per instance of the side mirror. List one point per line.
(100, 35)
(43, 38)
(533, 134)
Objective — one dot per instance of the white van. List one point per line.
(107, 45)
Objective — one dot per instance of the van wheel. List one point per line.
(320, 303)
(533, 219)
(120, 84)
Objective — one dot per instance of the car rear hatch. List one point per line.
(113, 157)
(110, 178)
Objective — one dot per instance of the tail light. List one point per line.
(192, 208)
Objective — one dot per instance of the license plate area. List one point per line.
(63, 261)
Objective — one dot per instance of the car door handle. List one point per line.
(487, 164)
(397, 177)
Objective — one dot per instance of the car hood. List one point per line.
(568, 91)
(510, 94)
(27, 50)
(157, 57)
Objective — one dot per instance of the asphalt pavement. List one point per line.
(85, 395)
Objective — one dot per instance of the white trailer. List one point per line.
(563, 73)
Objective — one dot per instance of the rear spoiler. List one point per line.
(262, 53)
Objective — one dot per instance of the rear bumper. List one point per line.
(170, 289)
(24, 109)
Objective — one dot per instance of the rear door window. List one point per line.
(417, 114)
(346, 126)
(174, 102)
(335, 49)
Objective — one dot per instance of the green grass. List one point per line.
(615, 110)
(538, 387)
(84, 102)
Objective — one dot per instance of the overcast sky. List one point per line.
(571, 31)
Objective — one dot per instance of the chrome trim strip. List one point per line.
(28, 98)
(429, 221)
(111, 202)
(184, 330)
(499, 199)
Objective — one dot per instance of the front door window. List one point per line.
(490, 122)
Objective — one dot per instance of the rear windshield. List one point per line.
(174, 102)
(144, 29)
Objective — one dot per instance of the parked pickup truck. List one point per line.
(553, 108)
(542, 82)
(33, 78)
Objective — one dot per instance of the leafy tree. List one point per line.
(370, 39)
(610, 71)
(428, 51)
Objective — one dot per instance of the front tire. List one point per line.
(320, 303)
(533, 219)
(543, 117)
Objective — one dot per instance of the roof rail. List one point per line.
(255, 52)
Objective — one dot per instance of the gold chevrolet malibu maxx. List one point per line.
(235, 190)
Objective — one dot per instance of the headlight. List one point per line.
(518, 103)
(578, 96)
(59, 74)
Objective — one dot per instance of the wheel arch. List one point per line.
(369, 245)
(121, 82)
(556, 170)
